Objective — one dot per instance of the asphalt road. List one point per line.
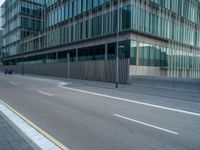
(85, 120)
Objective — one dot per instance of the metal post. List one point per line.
(68, 69)
(117, 51)
(22, 66)
(117, 69)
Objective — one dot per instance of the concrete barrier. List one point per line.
(166, 82)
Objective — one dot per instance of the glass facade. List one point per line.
(171, 58)
(21, 19)
(1, 44)
(167, 24)
(162, 34)
(88, 27)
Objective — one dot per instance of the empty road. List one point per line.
(89, 118)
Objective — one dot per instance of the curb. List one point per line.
(35, 135)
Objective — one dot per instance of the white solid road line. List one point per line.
(45, 93)
(13, 83)
(146, 124)
(133, 101)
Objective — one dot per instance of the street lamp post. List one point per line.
(117, 68)
(117, 51)
(117, 63)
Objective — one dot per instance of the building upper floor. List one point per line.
(66, 21)
(20, 14)
(67, 25)
(58, 11)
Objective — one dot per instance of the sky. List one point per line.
(1, 2)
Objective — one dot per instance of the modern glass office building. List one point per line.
(20, 19)
(1, 44)
(156, 37)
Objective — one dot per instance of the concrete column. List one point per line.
(76, 54)
(106, 51)
(39, 42)
(57, 57)
(137, 61)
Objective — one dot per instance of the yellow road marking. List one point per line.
(52, 139)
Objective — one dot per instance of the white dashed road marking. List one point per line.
(146, 124)
(45, 93)
(13, 83)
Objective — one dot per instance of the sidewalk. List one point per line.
(10, 139)
(164, 92)
(106, 88)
